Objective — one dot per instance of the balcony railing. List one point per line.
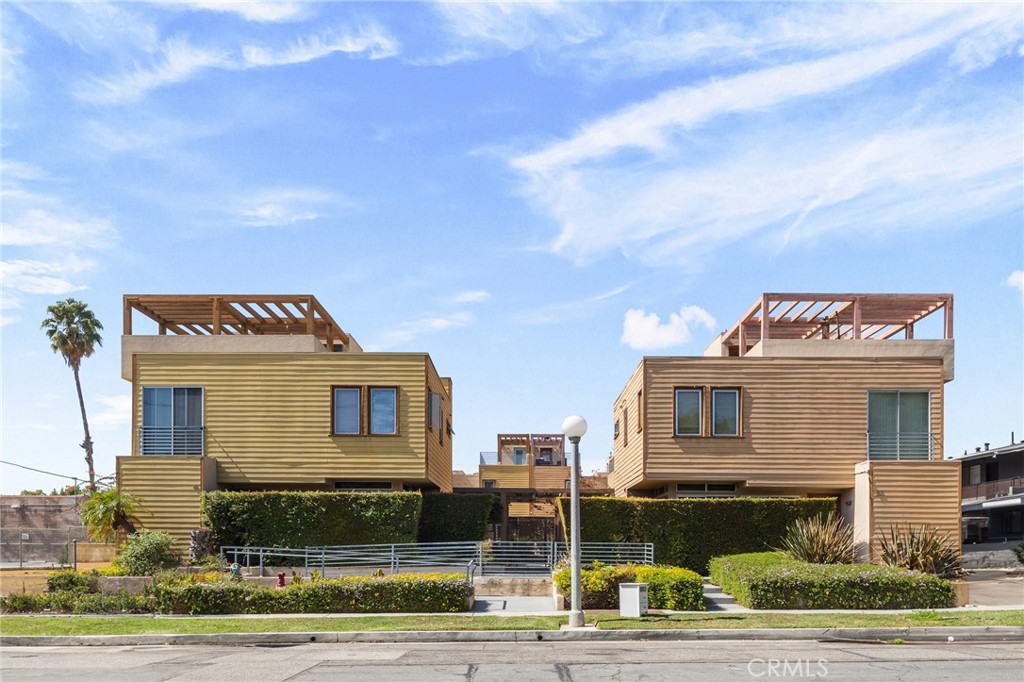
(901, 446)
(488, 457)
(990, 489)
(172, 440)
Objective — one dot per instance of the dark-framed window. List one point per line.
(364, 410)
(689, 411)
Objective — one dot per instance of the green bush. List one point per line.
(822, 539)
(668, 587)
(688, 532)
(304, 519)
(423, 593)
(72, 581)
(147, 552)
(450, 517)
(1018, 552)
(67, 601)
(773, 581)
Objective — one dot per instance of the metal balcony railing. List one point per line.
(901, 446)
(990, 489)
(488, 457)
(172, 440)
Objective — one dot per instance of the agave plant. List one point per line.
(921, 548)
(821, 539)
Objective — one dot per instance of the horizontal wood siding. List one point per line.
(169, 491)
(439, 440)
(628, 446)
(803, 420)
(505, 475)
(268, 415)
(914, 494)
(548, 477)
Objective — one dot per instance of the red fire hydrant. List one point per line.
(280, 579)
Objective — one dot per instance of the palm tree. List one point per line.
(110, 515)
(74, 332)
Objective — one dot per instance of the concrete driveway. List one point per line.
(994, 587)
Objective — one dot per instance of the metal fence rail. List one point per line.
(507, 558)
(40, 545)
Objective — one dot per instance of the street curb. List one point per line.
(922, 634)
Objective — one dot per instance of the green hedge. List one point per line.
(423, 593)
(450, 517)
(69, 601)
(668, 587)
(303, 519)
(772, 581)
(688, 532)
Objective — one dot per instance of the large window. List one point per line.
(380, 405)
(725, 412)
(383, 411)
(688, 411)
(899, 425)
(172, 420)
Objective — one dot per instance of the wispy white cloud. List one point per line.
(646, 179)
(474, 296)
(568, 310)
(114, 411)
(645, 331)
(49, 277)
(413, 329)
(1016, 280)
(262, 12)
(285, 206)
(371, 40)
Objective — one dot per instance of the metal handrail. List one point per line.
(172, 440)
(902, 446)
(1000, 487)
(490, 558)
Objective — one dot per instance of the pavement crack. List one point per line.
(471, 672)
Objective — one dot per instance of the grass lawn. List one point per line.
(129, 625)
(696, 621)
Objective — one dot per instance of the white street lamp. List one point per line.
(575, 427)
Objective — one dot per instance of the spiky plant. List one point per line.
(921, 548)
(821, 539)
(109, 515)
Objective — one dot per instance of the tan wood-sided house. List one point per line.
(806, 395)
(269, 393)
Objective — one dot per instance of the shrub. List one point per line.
(688, 532)
(76, 602)
(200, 545)
(668, 587)
(423, 593)
(303, 519)
(1018, 552)
(449, 517)
(920, 548)
(821, 539)
(147, 552)
(72, 581)
(773, 581)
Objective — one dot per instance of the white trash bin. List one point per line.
(632, 600)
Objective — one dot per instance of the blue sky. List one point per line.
(538, 194)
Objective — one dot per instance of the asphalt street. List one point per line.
(522, 662)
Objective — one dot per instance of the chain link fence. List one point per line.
(39, 546)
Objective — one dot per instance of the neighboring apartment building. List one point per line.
(993, 494)
(525, 460)
(269, 393)
(806, 395)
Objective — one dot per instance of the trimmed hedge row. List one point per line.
(770, 580)
(450, 517)
(423, 593)
(689, 532)
(668, 587)
(70, 601)
(303, 519)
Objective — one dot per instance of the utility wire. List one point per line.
(48, 473)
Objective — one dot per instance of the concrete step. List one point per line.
(717, 600)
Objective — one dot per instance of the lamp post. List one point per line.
(575, 427)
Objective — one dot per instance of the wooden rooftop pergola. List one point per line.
(835, 316)
(198, 315)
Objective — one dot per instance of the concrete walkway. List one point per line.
(995, 587)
